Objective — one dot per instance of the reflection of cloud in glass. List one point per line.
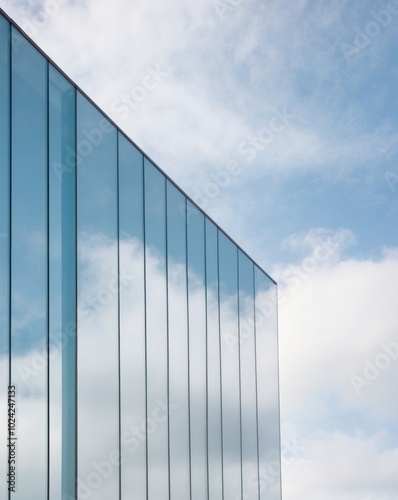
(98, 375)
(147, 307)
(96, 254)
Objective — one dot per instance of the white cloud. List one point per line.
(331, 320)
(299, 243)
(226, 81)
(334, 319)
(346, 467)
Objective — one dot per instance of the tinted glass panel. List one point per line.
(142, 342)
(248, 377)
(155, 429)
(29, 264)
(62, 298)
(228, 276)
(98, 329)
(4, 239)
(178, 345)
(132, 321)
(197, 349)
(267, 382)
(213, 366)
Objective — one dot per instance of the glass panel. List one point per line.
(4, 241)
(197, 351)
(62, 317)
(98, 329)
(228, 275)
(246, 345)
(29, 265)
(178, 344)
(213, 366)
(132, 320)
(155, 428)
(268, 388)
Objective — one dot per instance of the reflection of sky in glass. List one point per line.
(178, 344)
(4, 239)
(29, 288)
(132, 318)
(172, 317)
(98, 375)
(228, 273)
(62, 282)
(197, 346)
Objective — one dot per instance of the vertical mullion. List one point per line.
(10, 208)
(69, 301)
(48, 272)
(278, 387)
(76, 296)
(256, 383)
(240, 375)
(168, 340)
(220, 342)
(10, 223)
(146, 325)
(118, 311)
(207, 360)
(188, 343)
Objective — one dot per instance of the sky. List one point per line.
(280, 121)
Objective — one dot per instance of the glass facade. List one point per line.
(141, 340)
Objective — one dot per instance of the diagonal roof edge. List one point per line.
(119, 129)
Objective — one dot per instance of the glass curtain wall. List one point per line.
(29, 264)
(5, 174)
(141, 340)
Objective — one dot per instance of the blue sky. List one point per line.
(281, 121)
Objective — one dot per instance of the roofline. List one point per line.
(118, 128)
